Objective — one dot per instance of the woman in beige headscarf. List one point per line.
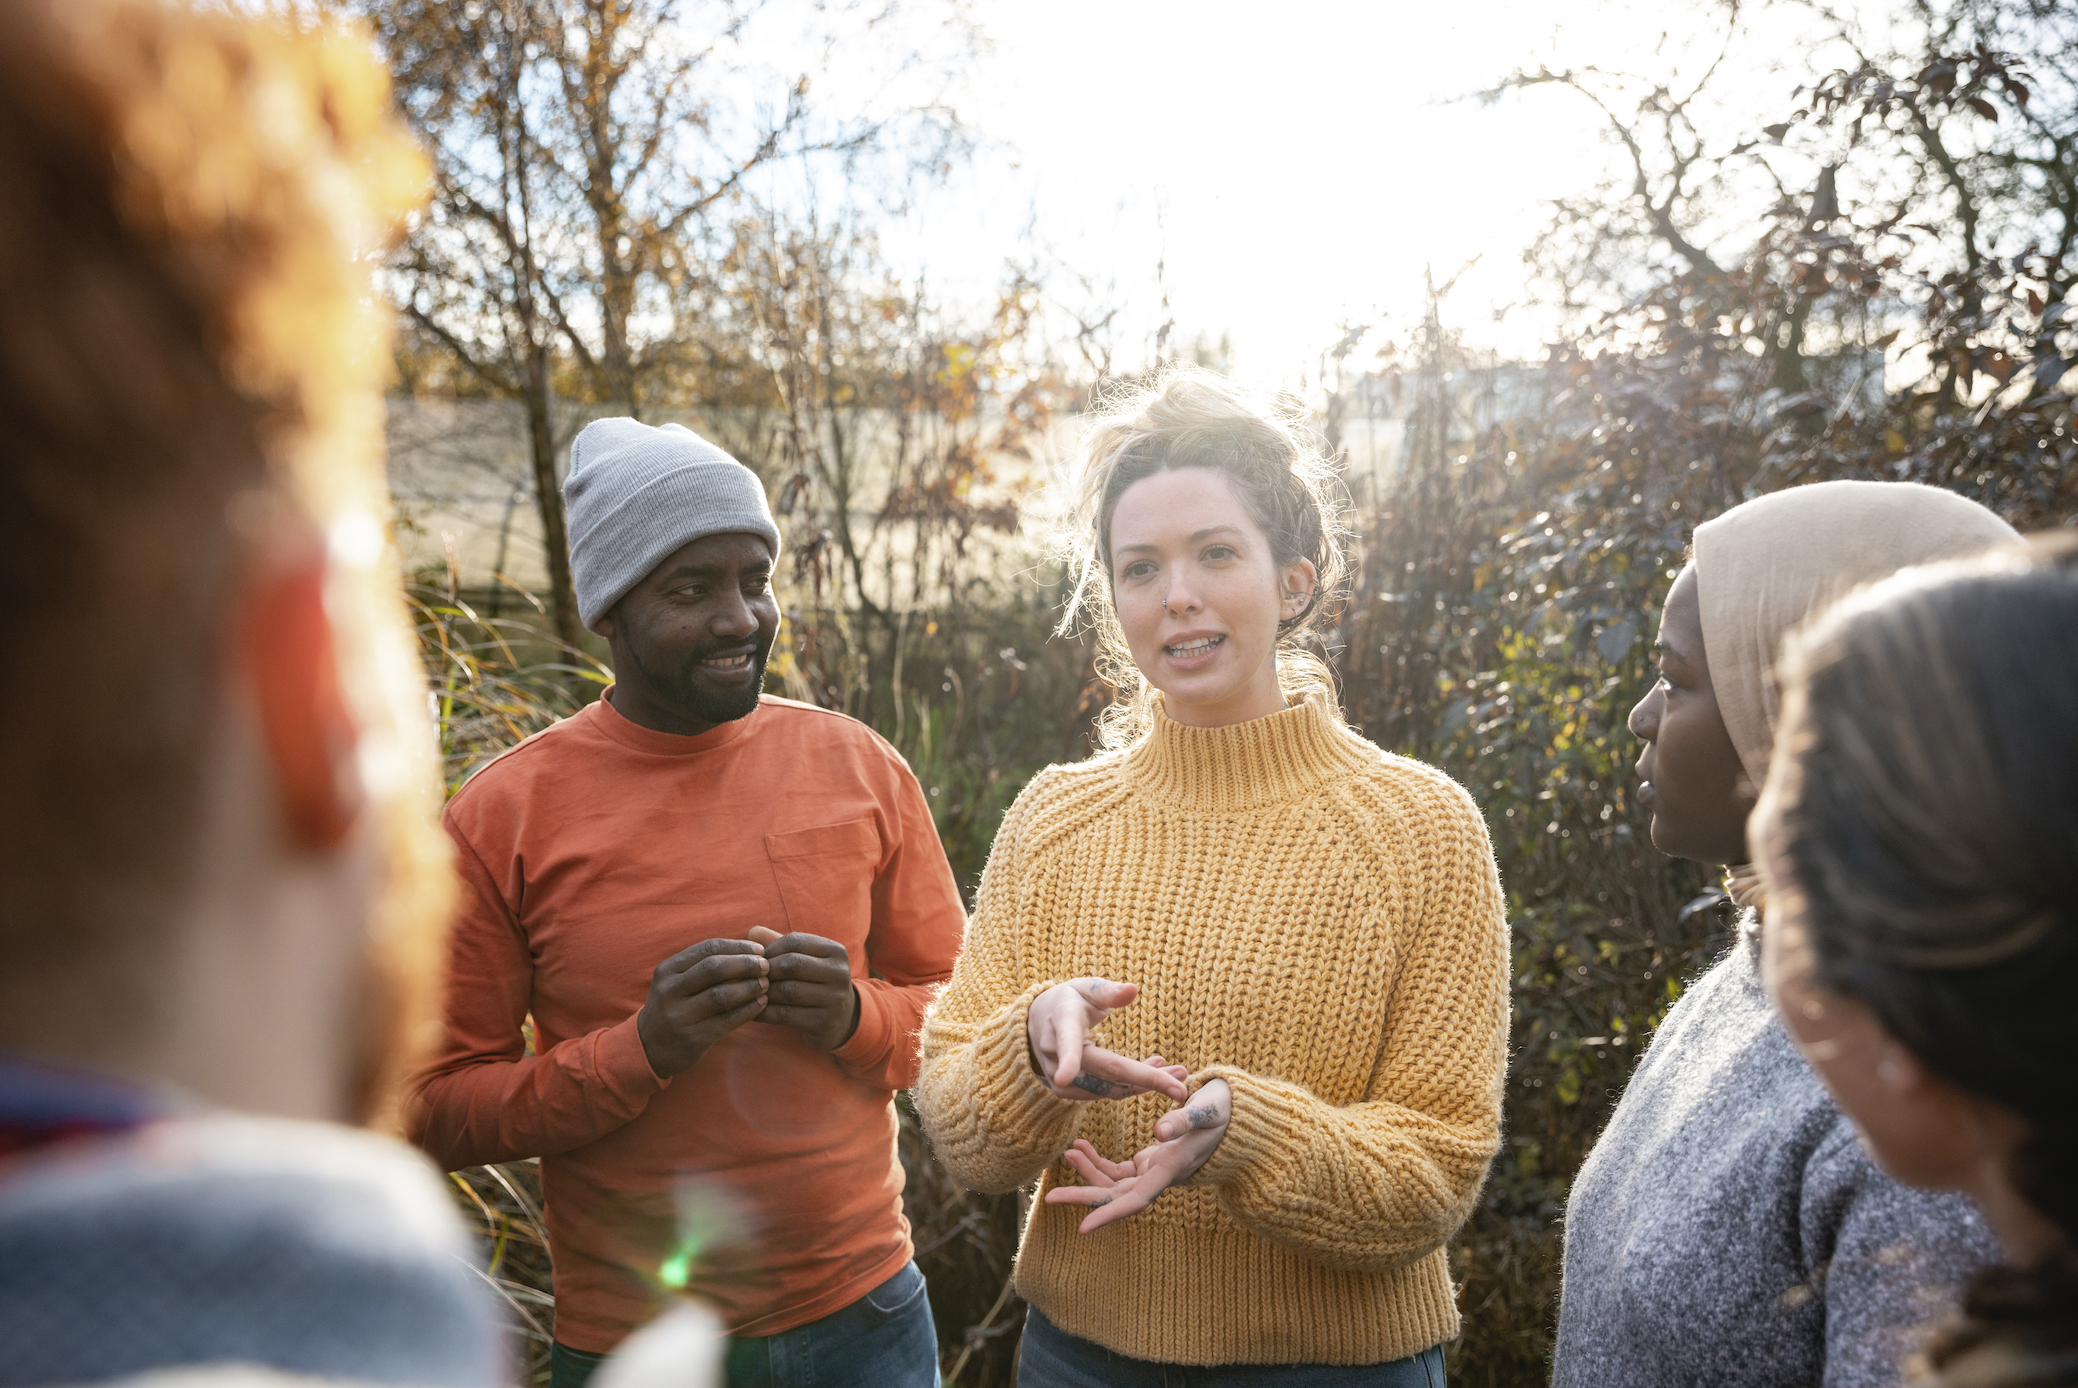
(1728, 1229)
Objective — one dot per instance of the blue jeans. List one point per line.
(885, 1337)
(1052, 1358)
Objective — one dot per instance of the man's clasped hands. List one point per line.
(701, 994)
(1057, 1030)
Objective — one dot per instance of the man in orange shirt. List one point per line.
(725, 915)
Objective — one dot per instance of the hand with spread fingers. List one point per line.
(810, 987)
(1185, 1139)
(1057, 1028)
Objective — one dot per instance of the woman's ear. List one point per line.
(1899, 1071)
(287, 658)
(1295, 589)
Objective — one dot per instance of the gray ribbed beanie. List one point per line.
(634, 494)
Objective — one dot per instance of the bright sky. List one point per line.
(1294, 164)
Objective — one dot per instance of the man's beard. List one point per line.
(683, 688)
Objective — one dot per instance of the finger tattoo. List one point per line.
(1206, 1117)
(1105, 1200)
(1102, 1088)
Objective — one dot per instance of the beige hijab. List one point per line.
(1762, 568)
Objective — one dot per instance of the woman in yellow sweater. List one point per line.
(1301, 935)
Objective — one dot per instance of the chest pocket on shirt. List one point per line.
(825, 879)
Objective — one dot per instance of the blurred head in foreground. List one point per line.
(218, 866)
(1919, 836)
(220, 882)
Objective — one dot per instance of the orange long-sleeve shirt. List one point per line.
(592, 852)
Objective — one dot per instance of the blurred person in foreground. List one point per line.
(724, 914)
(1727, 1228)
(221, 888)
(1919, 835)
(1242, 885)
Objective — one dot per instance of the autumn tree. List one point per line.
(589, 158)
(1919, 149)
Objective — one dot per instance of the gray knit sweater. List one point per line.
(307, 1249)
(1728, 1228)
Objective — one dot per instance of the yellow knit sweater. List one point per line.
(1315, 921)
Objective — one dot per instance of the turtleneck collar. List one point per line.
(1243, 766)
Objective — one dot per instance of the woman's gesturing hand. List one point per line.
(1184, 1140)
(1057, 1028)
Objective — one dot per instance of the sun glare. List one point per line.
(1264, 174)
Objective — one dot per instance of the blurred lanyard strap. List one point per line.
(42, 1104)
